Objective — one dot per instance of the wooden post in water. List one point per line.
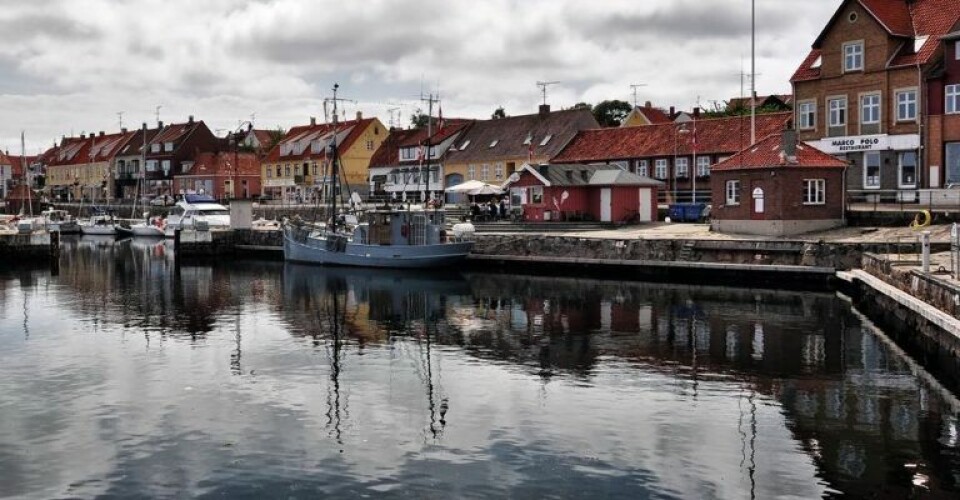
(54, 253)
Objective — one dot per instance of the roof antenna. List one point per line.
(158, 114)
(635, 86)
(120, 118)
(543, 89)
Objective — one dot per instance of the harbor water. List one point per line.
(124, 374)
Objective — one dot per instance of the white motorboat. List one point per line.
(60, 221)
(101, 224)
(147, 230)
(197, 212)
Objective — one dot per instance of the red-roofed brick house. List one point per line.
(860, 92)
(83, 166)
(171, 152)
(679, 154)
(778, 187)
(223, 175)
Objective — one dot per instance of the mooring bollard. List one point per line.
(925, 249)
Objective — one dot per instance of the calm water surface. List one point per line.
(126, 377)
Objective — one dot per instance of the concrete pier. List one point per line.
(35, 246)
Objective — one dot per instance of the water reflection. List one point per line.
(130, 375)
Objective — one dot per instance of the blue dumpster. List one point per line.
(686, 212)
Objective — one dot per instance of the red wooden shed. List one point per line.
(599, 192)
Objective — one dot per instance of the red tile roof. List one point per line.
(16, 166)
(388, 154)
(768, 153)
(714, 136)
(347, 133)
(653, 115)
(225, 163)
(907, 19)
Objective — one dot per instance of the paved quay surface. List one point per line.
(662, 230)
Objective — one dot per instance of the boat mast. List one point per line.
(334, 167)
(26, 172)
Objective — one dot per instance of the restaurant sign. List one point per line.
(860, 143)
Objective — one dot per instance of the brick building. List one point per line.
(778, 187)
(171, 152)
(678, 154)
(860, 92)
(943, 108)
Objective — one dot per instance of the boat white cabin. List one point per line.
(197, 212)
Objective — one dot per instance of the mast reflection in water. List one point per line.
(127, 375)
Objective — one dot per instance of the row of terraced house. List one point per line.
(880, 89)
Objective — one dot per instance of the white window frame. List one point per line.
(814, 191)
(155, 147)
(853, 56)
(703, 166)
(471, 172)
(660, 169)
(643, 168)
(905, 101)
(732, 193)
(536, 195)
(681, 167)
(498, 171)
(167, 147)
(484, 172)
(838, 114)
(951, 98)
(956, 50)
(870, 105)
(807, 115)
(872, 182)
(916, 166)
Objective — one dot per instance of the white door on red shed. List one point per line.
(645, 210)
(605, 205)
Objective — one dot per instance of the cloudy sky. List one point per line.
(69, 66)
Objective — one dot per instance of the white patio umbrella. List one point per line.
(485, 190)
(465, 187)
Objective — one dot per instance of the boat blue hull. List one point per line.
(386, 256)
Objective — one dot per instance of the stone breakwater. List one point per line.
(839, 256)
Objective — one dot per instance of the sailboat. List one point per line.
(388, 237)
(148, 228)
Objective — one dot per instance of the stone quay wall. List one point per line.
(929, 288)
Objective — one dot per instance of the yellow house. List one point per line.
(83, 167)
(645, 115)
(491, 150)
(297, 167)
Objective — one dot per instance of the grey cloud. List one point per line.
(33, 25)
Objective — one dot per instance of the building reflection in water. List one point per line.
(869, 418)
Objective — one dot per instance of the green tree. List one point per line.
(611, 113)
(419, 119)
(499, 113)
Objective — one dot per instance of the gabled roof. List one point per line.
(784, 100)
(347, 133)
(714, 136)
(135, 145)
(175, 132)
(768, 153)
(225, 163)
(388, 153)
(651, 114)
(16, 165)
(908, 19)
(503, 138)
(578, 174)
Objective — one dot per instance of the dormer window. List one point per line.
(817, 63)
(155, 147)
(168, 146)
(528, 140)
(546, 140)
(918, 42)
(494, 143)
(853, 56)
(465, 144)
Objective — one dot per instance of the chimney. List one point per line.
(313, 121)
(790, 143)
(673, 112)
(359, 115)
(83, 136)
(190, 119)
(102, 134)
(123, 130)
(544, 110)
(249, 127)
(648, 104)
(144, 125)
(696, 113)
(159, 124)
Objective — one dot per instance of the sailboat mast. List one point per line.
(426, 154)
(333, 162)
(26, 172)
